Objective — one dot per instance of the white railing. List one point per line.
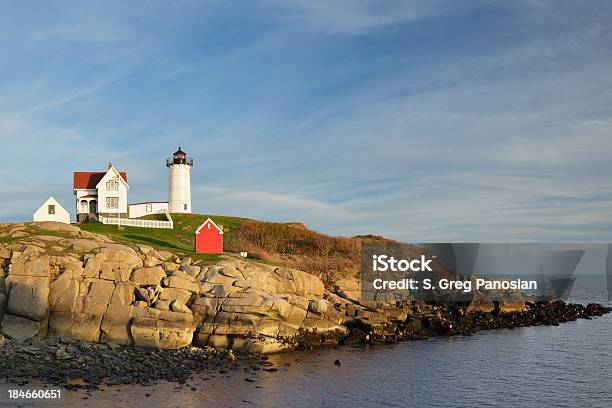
(131, 222)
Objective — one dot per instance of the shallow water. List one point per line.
(565, 366)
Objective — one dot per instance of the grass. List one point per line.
(178, 240)
(290, 244)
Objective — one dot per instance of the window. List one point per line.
(51, 209)
(112, 202)
(149, 208)
(185, 207)
(112, 185)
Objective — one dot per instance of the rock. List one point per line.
(178, 306)
(98, 293)
(143, 294)
(21, 328)
(191, 271)
(170, 266)
(318, 306)
(141, 303)
(337, 363)
(163, 305)
(181, 283)
(81, 245)
(154, 333)
(511, 306)
(183, 275)
(63, 293)
(181, 295)
(58, 226)
(38, 267)
(113, 262)
(164, 255)
(2, 341)
(62, 354)
(149, 276)
(5, 253)
(115, 325)
(299, 283)
(123, 294)
(29, 297)
(3, 302)
(76, 325)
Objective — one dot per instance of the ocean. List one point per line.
(545, 366)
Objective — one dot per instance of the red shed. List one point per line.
(209, 238)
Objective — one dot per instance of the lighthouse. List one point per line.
(180, 165)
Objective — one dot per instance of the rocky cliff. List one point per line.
(60, 281)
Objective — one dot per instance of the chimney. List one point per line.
(110, 165)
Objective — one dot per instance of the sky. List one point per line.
(422, 121)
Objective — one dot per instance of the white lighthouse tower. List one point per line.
(180, 182)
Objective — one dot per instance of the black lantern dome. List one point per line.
(179, 157)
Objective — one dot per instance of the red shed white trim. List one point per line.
(209, 238)
(211, 222)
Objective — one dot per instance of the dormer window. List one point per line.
(112, 185)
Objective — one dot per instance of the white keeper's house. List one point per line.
(101, 193)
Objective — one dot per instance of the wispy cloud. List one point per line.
(416, 120)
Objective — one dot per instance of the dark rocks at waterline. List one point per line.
(92, 365)
(449, 321)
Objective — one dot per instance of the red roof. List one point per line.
(88, 180)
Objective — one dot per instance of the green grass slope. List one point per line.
(282, 244)
(178, 240)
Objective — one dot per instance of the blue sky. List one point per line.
(417, 120)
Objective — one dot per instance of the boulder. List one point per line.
(318, 306)
(21, 328)
(149, 276)
(512, 306)
(115, 325)
(59, 226)
(178, 282)
(81, 245)
(123, 294)
(38, 267)
(98, 296)
(181, 295)
(63, 294)
(29, 298)
(164, 255)
(163, 304)
(3, 302)
(183, 275)
(170, 266)
(160, 334)
(298, 283)
(113, 262)
(76, 325)
(190, 270)
(178, 306)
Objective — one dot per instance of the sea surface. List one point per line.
(546, 366)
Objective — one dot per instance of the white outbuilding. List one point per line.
(51, 210)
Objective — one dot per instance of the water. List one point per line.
(565, 366)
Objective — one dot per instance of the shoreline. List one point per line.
(77, 365)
